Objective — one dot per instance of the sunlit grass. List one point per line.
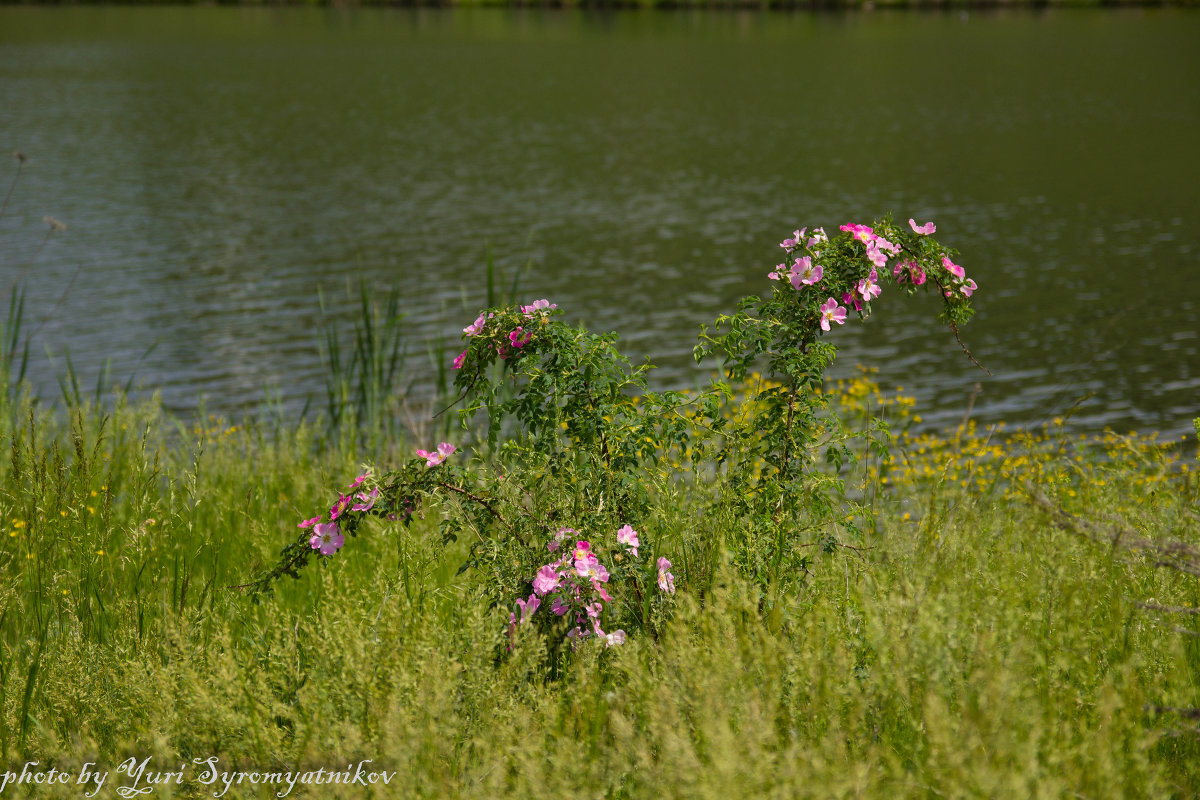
(972, 647)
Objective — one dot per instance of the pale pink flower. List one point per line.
(876, 256)
(953, 268)
(593, 609)
(599, 587)
(925, 229)
(546, 580)
(327, 538)
(831, 312)
(794, 241)
(779, 274)
(592, 569)
(538, 305)
(969, 287)
(558, 606)
(666, 581)
(817, 238)
(528, 607)
(458, 360)
(366, 500)
(869, 287)
(885, 245)
(308, 523)
(475, 327)
(805, 273)
(628, 537)
(615, 638)
(432, 459)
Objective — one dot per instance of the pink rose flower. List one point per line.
(538, 305)
(528, 607)
(475, 327)
(793, 242)
(666, 581)
(432, 459)
(628, 537)
(327, 538)
(869, 288)
(832, 312)
(591, 569)
(862, 233)
(343, 502)
(517, 340)
(546, 580)
(804, 273)
(366, 500)
(953, 268)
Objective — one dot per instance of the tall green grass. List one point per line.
(988, 652)
(363, 380)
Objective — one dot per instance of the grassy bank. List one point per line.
(1021, 623)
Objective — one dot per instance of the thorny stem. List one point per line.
(486, 505)
(459, 399)
(953, 326)
(974, 360)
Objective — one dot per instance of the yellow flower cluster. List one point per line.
(216, 430)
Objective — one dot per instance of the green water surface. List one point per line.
(216, 166)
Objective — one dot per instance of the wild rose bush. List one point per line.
(564, 516)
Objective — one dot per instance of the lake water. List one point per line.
(218, 166)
